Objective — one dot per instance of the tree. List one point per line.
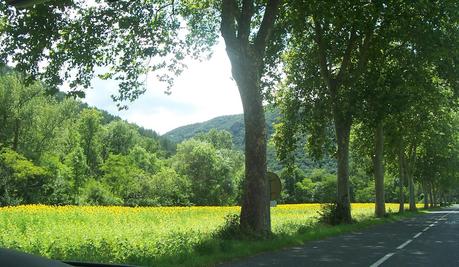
(330, 47)
(61, 182)
(89, 128)
(21, 180)
(219, 139)
(16, 108)
(168, 188)
(247, 28)
(76, 161)
(148, 162)
(123, 35)
(213, 173)
(119, 138)
(437, 164)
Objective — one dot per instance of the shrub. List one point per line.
(230, 229)
(328, 214)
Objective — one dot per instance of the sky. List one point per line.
(203, 91)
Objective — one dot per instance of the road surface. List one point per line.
(425, 240)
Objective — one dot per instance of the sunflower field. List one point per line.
(140, 235)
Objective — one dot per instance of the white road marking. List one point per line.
(387, 256)
(383, 259)
(417, 235)
(404, 244)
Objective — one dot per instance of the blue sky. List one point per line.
(204, 91)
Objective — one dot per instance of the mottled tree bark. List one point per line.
(246, 55)
(255, 211)
(426, 195)
(412, 193)
(431, 196)
(343, 129)
(378, 168)
(434, 193)
(401, 171)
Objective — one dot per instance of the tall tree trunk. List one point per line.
(435, 199)
(426, 195)
(412, 193)
(378, 167)
(343, 129)
(255, 210)
(17, 129)
(246, 55)
(431, 196)
(401, 170)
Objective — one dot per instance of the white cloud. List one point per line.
(204, 91)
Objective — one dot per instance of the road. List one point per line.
(425, 240)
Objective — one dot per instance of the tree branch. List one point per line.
(227, 26)
(324, 70)
(244, 20)
(267, 25)
(347, 56)
(364, 49)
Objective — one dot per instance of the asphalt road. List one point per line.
(426, 240)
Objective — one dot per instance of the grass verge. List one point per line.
(213, 251)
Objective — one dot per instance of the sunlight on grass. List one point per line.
(133, 235)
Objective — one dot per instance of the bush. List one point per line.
(328, 214)
(230, 229)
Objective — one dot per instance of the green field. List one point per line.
(144, 236)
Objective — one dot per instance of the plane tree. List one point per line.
(333, 47)
(438, 161)
(330, 47)
(75, 40)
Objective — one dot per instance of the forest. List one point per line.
(56, 150)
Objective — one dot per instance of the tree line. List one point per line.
(58, 151)
(55, 150)
(385, 71)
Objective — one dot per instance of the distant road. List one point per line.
(425, 240)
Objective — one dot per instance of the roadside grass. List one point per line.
(214, 251)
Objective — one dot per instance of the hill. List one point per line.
(231, 123)
(235, 125)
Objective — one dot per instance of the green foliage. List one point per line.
(57, 148)
(21, 180)
(89, 128)
(124, 178)
(60, 184)
(230, 229)
(318, 185)
(234, 124)
(96, 193)
(329, 214)
(143, 160)
(76, 162)
(120, 138)
(219, 139)
(168, 188)
(214, 173)
(231, 123)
